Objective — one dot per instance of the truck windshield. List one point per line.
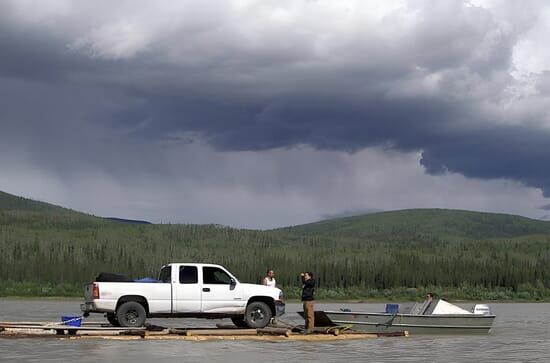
(165, 274)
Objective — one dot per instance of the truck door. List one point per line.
(219, 294)
(187, 291)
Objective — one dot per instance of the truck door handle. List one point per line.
(206, 289)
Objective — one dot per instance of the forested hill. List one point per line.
(425, 223)
(401, 224)
(50, 250)
(32, 213)
(9, 202)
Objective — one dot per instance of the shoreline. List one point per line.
(319, 301)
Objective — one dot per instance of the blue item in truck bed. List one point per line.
(147, 279)
(392, 308)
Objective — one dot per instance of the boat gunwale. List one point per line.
(477, 316)
(480, 327)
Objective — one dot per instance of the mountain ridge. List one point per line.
(449, 222)
(404, 223)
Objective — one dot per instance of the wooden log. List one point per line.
(86, 324)
(177, 331)
(140, 333)
(65, 327)
(23, 323)
(394, 334)
(227, 326)
(160, 333)
(274, 331)
(210, 331)
(97, 333)
(322, 330)
(221, 332)
(152, 327)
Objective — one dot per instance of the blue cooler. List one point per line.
(392, 308)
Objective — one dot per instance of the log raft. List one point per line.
(97, 331)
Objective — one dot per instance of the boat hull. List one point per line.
(413, 324)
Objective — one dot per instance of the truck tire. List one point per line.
(239, 321)
(257, 315)
(112, 319)
(131, 314)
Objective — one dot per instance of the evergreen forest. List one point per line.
(47, 250)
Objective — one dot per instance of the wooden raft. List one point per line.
(97, 331)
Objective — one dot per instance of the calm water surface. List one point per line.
(521, 334)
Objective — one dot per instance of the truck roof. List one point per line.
(193, 263)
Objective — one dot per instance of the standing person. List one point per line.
(308, 299)
(269, 279)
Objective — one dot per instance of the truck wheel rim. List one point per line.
(257, 314)
(131, 317)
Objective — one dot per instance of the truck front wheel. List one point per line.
(257, 315)
(131, 314)
(239, 321)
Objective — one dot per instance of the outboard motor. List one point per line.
(481, 309)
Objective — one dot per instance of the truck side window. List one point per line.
(166, 274)
(214, 275)
(189, 275)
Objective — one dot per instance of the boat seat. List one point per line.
(430, 306)
(416, 309)
(424, 308)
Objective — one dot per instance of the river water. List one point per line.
(521, 333)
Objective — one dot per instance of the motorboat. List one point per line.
(431, 317)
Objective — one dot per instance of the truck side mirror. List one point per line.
(232, 284)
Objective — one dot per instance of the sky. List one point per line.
(261, 113)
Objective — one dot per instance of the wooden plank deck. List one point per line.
(201, 338)
(97, 331)
(60, 329)
(66, 327)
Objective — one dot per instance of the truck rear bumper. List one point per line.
(98, 306)
(279, 308)
(87, 307)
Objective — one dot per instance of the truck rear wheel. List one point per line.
(131, 314)
(112, 319)
(258, 314)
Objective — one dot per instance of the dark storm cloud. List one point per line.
(421, 88)
(506, 152)
(486, 151)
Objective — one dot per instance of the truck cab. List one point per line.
(185, 290)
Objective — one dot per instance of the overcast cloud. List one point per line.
(269, 113)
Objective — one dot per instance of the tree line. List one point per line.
(68, 249)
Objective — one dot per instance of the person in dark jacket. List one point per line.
(308, 299)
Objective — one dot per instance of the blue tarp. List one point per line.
(147, 279)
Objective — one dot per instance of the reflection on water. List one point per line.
(521, 333)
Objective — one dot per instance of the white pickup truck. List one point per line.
(185, 290)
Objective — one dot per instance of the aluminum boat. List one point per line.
(431, 317)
